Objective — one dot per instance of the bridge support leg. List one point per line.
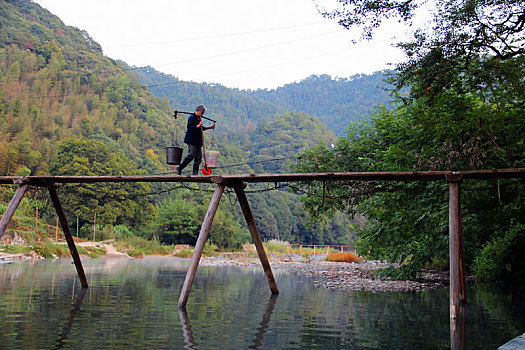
(199, 246)
(456, 250)
(67, 234)
(245, 206)
(11, 208)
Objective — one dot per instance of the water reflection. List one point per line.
(187, 332)
(458, 329)
(259, 336)
(72, 315)
(133, 304)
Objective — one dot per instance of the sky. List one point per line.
(245, 44)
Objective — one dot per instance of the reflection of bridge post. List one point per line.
(458, 330)
(187, 333)
(72, 315)
(259, 336)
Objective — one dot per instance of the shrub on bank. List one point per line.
(344, 257)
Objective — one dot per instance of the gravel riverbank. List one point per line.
(343, 276)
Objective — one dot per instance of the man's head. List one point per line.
(200, 110)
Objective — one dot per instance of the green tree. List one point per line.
(113, 203)
(176, 223)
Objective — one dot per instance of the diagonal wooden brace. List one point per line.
(246, 210)
(67, 234)
(199, 246)
(11, 208)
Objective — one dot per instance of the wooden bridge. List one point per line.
(239, 182)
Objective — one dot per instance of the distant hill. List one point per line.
(337, 102)
(237, 112)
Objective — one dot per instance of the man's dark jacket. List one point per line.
(193, 133)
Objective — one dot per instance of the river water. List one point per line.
(132, 304)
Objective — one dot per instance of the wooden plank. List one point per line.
(343, 176)
(11, 208)
(67, 234)
(199, 246)
(246, 210)
(456, 250)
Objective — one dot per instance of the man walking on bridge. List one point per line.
(194, 140)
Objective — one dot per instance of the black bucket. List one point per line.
(173, 155)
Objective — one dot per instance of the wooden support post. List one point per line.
(67, 234)
(246, 210)
(456, 250)
(199, 246)
(11, 208)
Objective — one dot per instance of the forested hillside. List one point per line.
(66, 109)
(336, 102)
(236, 112)
(56, 84)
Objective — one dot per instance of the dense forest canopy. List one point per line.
(464, 110)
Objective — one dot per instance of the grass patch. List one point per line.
(139, 247)
(344, 257)
(48, 249)
(276, 247)
(186, 253)
(15, 249)
(92, 252)
(210, 249)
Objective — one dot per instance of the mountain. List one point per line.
(237, 113)
(337, 102)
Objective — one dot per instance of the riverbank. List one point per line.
(324, 274)
(339, 276)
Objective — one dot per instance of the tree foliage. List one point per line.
(113, 203)
(464, 111)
